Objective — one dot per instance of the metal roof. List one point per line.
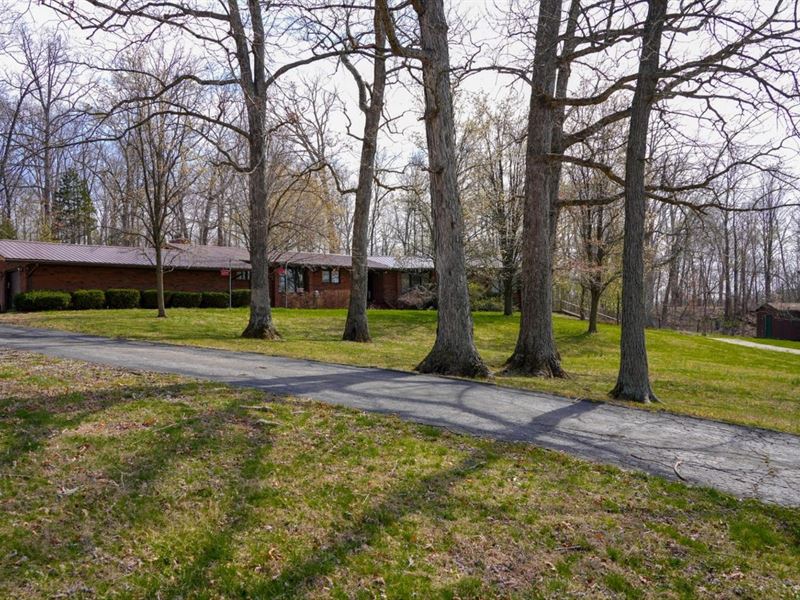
(187, 256)
(782, 306)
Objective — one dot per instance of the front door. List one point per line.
(10, 288)
(768, 326)
(370, 287)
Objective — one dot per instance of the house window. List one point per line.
(330, 276)
(241, 275)
(291, 280)
(411, 280)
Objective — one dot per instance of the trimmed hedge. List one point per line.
(240, 298)
(122, 298)
(186, 299)
(214, 300)
(88, 299)
(38, 300)
(150, 298)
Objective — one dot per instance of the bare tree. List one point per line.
(454, 351)
(633, 382)
(535, 352)
(161, 142)
(370, 101)
(53, 87)
(241, 38)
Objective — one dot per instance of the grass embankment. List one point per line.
(691, 374)
(115, 483)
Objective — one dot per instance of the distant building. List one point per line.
(297, 279)
(778, 320)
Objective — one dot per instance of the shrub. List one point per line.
(240, 298)
(214, 300)
(185, 299)
(150, 298)
(38, 300)
(88, 299)
(477, 292)
(490, 304)
(417, 298)
(122, 298)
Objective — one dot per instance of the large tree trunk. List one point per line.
(454, 351)
(508, 292)
(594, 306)
(633, 382)
(260, 324)
(356, 327)
(162, 310)
(535, 352)
(559, 115)
(726, 269)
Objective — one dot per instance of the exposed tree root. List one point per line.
(261, 331)
(445, 363)
(356, 330)
(527, 364)
(633, 393)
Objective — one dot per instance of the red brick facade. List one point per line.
(384, 286)
(69, 278)
(315, 294)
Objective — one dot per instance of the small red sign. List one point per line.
(224, 272)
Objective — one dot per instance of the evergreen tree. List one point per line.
(7, 229)
(73, 211)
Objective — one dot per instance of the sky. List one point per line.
(404, 101)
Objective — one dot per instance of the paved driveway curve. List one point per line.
(743, 461)
(758, 346)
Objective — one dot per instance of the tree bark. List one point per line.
(454, 351)
(356, 327)
(162, 309)
(535, 352)
(508, 292)
(254, 86)
(726, 269)
(633, 382)
(260, 324)
(594, 305)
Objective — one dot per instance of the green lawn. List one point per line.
(691, 374)
(122, 484)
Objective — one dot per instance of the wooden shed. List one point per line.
(778, 320)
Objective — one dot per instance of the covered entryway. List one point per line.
(11, 287)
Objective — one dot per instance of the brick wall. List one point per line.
(70, 278)
(390, 288)
(385, 284)
(317, 294)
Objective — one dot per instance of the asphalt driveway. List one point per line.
(743, 461)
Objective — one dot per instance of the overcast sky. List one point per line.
(405, 99)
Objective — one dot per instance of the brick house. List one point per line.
(297, 279)
(778, 320)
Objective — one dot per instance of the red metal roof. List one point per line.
(186, 256)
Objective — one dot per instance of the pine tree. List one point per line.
(7, 229)
(73, 211)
